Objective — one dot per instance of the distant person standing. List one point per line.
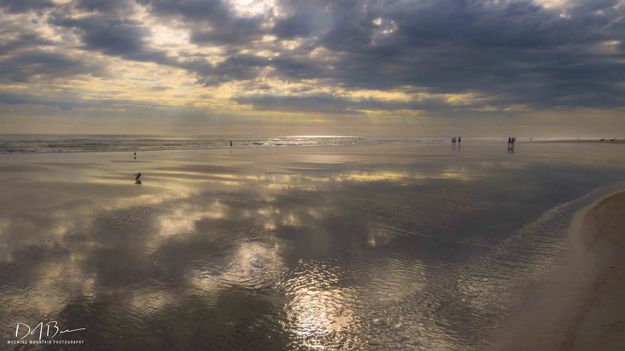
(135, 155)
(453, 143)
(230, 143)
(511, 145)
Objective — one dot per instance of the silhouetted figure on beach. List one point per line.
(230, 143)
(135, 155)
(138, 178)
(453, 143)
(511, 145)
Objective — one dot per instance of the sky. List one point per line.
(349, 67)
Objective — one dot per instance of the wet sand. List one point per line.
(582, 141)
(381, 247)
(600, 324)
(582, 305)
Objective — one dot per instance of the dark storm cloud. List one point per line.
(104, 5)
(22, 40)
(27, 55)
(28, 66)
(13, 99)
(516, 52)
(194, 10)
(18, 6)
(228, 32)
(241, 67)
(210, 21)
(68, 102)
(116, 37)
(305, 18)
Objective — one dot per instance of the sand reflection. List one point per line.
(320, 313)
(273, 249)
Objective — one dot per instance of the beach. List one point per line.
(379, 246)
(581, 307)
(300, 175)
(601, 322)
(597, 140)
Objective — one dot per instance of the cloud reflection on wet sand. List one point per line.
(290, 249)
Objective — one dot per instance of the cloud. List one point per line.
(327, 103)
(316, 103)
(115, 37)
(18, 6)
(514, 50)
(61, 100)
(30, 66)
(22, 40)
(234, 68)
(517, 53)
(305, 18)
(210, 21)
(106, 6)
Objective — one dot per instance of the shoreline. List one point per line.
(582, 141)
(600, 322)
(399, 141)
(581, 306)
